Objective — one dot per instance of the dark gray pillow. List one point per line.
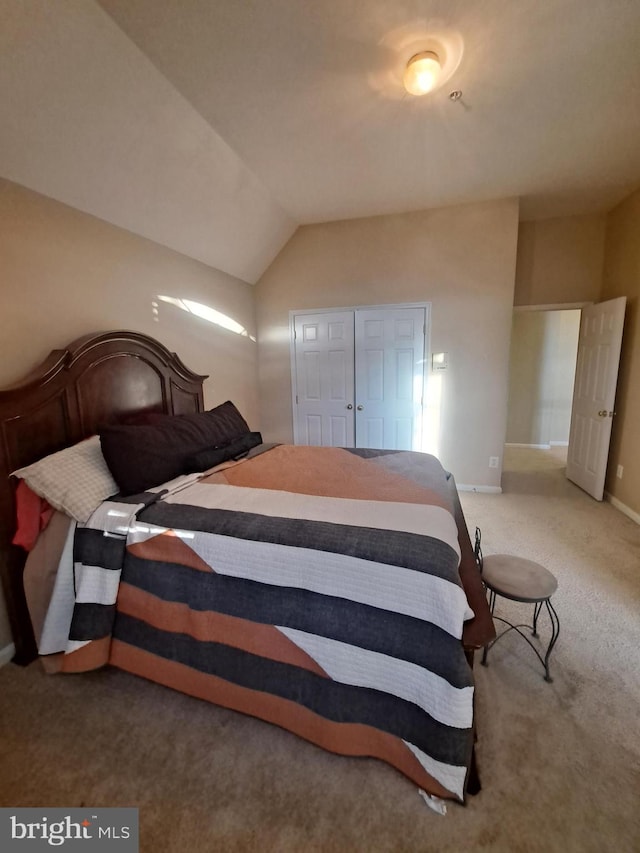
(212, 456)
(140, 457)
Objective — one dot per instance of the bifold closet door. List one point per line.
(359, 377)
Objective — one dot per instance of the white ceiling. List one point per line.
(304, 92)
(215, 126)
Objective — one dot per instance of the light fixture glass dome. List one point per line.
(422, 73)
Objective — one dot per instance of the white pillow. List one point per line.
(75, 480)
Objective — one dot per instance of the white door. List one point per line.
(324, 412)
(594, 394)
(389, 368)
(359, 378)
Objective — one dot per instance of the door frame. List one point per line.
(562, 306)
(354, 308)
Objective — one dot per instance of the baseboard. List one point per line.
(634, 516)
(7, 653)
(490, 490)
(559, 443)
(532, 446)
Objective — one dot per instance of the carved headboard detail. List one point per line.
(96, 380)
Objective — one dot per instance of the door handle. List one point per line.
(349, 405)
(359, 408)
(602, 413)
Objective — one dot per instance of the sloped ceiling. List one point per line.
(88, 120)
(216, 126)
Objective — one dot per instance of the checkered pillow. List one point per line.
(75, 480)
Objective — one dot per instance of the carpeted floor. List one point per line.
(560, 762)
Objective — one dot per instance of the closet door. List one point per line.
(359, 378)
(389, 371)
(323, 408)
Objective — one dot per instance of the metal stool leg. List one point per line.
(555, 631)
(536, 613)
(492, 604)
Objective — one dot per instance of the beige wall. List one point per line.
(589, 259)
(622, 278)
(541, 373)
(461, 259)
(560, 260)
(65, 273)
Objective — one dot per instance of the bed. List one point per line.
(330, 591)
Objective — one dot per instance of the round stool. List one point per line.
(525, 581)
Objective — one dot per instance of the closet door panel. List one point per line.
(323, 408)
(389, 370)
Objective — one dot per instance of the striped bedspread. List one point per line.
(316, 588)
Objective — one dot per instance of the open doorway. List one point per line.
(544, 347)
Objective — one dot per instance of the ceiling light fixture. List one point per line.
(422, 73)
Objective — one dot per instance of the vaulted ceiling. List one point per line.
(216, 126)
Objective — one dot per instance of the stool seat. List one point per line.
(517, 578)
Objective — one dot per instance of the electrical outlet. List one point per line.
(619, 472)
(494, 461)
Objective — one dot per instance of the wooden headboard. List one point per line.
(96, 380)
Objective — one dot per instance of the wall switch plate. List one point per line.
(439, 361)
(619, 472)
(494, 461)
